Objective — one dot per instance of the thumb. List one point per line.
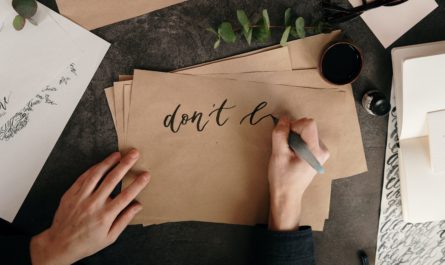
(280, 136)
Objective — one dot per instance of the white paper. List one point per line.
(389, 23)
(423, 92)
(399, 56)
(436, 140)
(30, 58)
(38, 126)
(399, 242)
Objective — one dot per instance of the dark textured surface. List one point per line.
(173, 38)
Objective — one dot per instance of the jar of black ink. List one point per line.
(376, 103)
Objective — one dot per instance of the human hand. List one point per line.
(88, 219)
(289, 176)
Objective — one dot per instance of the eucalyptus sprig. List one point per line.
(261, 30)
(25, 9)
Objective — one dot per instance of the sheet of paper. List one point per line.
(317, 196)
(30, 58)
(423, 92)
(436, 140)
(304, 54)
(212, 197)
(389, 23)
(119, 94)
(352, 152)
(127, 102)
(92, 14)
(399, 242)
(272, 60)
(23, 138)
(399, 56)
(109, 94)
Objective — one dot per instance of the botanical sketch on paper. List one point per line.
(19, 121)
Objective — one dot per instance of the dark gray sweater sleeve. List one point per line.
(14, 246)
(286, 248)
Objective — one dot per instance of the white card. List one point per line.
(389, 23)
(27, 139)
(436, 139)
(30, 58)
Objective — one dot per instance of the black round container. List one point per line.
(341, 63)
(376, 103)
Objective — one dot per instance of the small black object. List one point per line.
(376, 103)
(341, 63)
(363, 257)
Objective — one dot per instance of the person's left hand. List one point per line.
(88, 219)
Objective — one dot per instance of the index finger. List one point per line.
(117, 174)
(307, 129)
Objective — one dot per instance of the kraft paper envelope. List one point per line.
(127, 102)
(272, 60)
(225, 178)
(109, 93)
(119, 99)
(304, 54)
(92, 14)
(315, 203)
(350, 138)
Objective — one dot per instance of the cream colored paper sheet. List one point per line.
(92, 14)
(217, 200)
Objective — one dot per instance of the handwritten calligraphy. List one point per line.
(176, 120)
(400, 242)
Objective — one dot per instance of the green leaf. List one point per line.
(299, 26)
(266, 20)
(226, 32)
(25, 8)
(212, 31)
(287, 16)
(243, 20)
(217, 43)
(248, 36)
(18, 22)
(285, 36)
(293, 33)
(261, 34)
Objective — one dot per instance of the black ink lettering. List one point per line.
(251, 115)
(169, 120)
(219, 111)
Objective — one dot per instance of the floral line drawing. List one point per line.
(19, 121)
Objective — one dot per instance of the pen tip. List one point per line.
(275, 119)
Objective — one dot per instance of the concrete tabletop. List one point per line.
(173, 38)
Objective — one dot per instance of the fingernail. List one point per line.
(137, 208)
(283, 121)
(133, 153)
(145, 177)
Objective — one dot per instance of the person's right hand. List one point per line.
(88, 219)
(289, 176)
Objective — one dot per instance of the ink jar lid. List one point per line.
(376, 103)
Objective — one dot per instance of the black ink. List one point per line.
(219, 111)
(20, 120)
(251, 115)
(169, 120)
(3, 103)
